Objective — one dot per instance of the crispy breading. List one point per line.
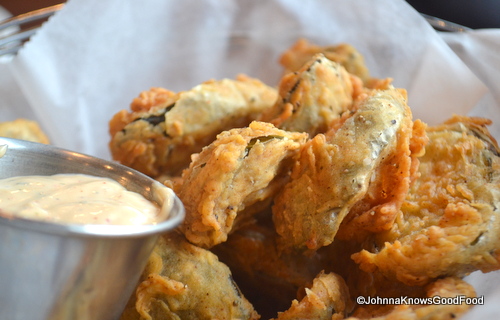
(152, 98)
(23, 129)
(267, 277)
(345, 54)
(182, 281)
(449, 223)
(234, 177)
(312, 98)
(163, 129)
(327, 299)
(333, 174)
(336, 258)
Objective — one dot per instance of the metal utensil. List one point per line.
(11, 42)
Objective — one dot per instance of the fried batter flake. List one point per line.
(333, 174)
(164, 128)
(449, 223)
(327, 299)
(234, 177)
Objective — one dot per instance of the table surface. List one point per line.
(21, 6)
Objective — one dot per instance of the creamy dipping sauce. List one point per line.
(76, 199)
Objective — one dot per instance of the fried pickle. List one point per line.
(311, 98)
(381, 206)
(268, 278)
(344, 54)
(376, 285)
(163, 128)
(23, 129)
(333, 174)
(182, 281)
(327, 299)
(233, 177)
(449, 223)
(388, 187)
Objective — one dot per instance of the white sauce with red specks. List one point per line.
(76, 199)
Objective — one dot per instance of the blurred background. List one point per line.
(470, 13)
(474, 14)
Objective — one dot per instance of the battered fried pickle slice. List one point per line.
(182, 281)
(449, 224)
(327, 299)
(311, 98)
(450, 287)
(233, 177)
(23, 129)
(334, 173)
(164, 128)
(344, 54)
(268, 278)
(336, 258)
(388, 188)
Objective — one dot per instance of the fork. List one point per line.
(23, 26)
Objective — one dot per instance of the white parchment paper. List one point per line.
(93, 57)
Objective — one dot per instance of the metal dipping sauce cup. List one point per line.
(70, 271)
